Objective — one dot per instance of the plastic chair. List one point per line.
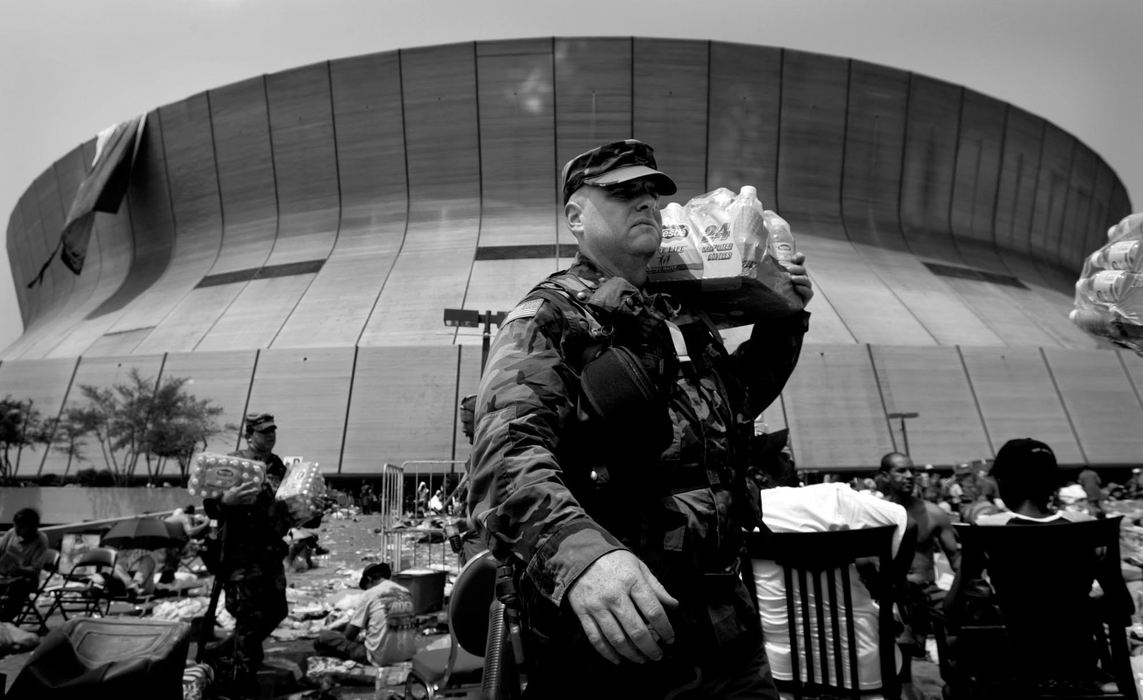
(76, 593)
(459, 669)
(816, 569)
(31, 610)
(1052, 638)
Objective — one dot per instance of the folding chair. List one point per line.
(76, 593)
(817, 574)
(31, 610)
(459, 669)
(1054, 639)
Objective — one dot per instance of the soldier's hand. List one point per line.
(241, 494)
(620, 605)
(796, 266)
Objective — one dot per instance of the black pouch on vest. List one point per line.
(630, 408)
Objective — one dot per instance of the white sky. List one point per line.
(69, 68)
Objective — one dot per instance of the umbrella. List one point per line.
(143, 533)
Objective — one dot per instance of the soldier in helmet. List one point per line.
(252, 524)
(610, 459)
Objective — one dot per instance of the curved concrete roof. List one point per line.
(293, 239)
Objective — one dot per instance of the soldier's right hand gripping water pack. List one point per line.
(724, 252)
(1109, 292)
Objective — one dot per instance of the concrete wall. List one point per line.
(70, 504)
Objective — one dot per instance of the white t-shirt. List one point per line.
(821, 508)
(385, 614)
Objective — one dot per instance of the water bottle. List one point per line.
(748, 226)
(1116, 290)
(781, 239)
(1121, 255)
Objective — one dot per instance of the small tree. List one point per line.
(20, 426)
(180, 424)
(136, 420)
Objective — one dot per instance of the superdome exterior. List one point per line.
(290, 242)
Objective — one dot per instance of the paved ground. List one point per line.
(353, 544)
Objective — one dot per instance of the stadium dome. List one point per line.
(290, 243)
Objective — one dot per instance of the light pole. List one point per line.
(904, 433)
(467, 318)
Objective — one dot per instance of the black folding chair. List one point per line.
(817, 573)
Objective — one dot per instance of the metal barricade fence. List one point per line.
(407, 537)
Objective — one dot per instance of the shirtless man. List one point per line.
(933, 524)
(897, 478)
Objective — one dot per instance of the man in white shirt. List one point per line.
(385, 614)
(819, 508)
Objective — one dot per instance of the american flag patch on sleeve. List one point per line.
(525, 309)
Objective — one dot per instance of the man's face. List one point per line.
(901, 474)
(26, 532)
(618, 223)
(263, 440)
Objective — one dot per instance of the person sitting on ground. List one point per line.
(385, 614)
(23, 552)
(303, 545)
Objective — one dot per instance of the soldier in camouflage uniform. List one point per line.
(253, 524)
(609, 461)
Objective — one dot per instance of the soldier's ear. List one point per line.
(573, 211)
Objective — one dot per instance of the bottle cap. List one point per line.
(750, 190)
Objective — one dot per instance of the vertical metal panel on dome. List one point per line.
(108, 263)
(594, 102)
(1018, 398)
(1093, 232)
(32, 229)
(976, 178)
(834, 409)
(305, 163)
(152, 225)
(814, 102)
(1100, 401)
(1016, 200)
(745, 105)
(246, 184)
(519, 210)
(307, 391)
(367, 120)
(100, 373)
(1051, 192)
(52, 212)
(442, 141)
(669, 108)
(45, 383)
(1077, 209)
(224, 379)
(931, 382)
(305, 177)
(874, 147)
(932, 125)
(397, 412)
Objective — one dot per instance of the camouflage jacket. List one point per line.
(556, 487)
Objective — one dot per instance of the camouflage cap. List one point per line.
(613, 163)
(258, 422)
